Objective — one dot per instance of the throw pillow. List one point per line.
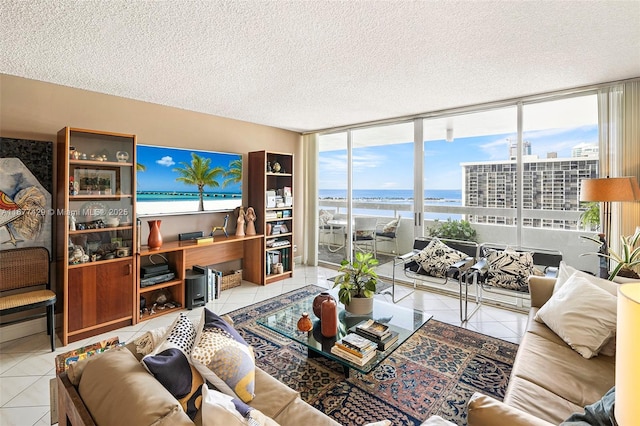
(223, 357)
(566, 271)
(582, 314)
(509, 269)
(181, 335)
(172, 369)
(324, 217)
(218, 409)
(437, 257)
(390, 227)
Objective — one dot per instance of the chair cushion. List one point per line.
(324, 217)
(390, 228)
(26, 299)
(509, 269)
(437, 257)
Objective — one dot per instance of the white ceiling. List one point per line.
(309, 65)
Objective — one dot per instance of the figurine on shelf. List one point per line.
(250, 218)
(241, 221)
(222, 228)
(72, 222)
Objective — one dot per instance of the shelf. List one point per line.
(99, 163)
(278, 248)
(278, 208)
(160, 286)
(284, 234)
(278, 219)
(98, 262)
(278, 174)
(159, 312)
(87, 231)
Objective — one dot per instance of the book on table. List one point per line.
(373, 329)
(357, 345)
(338, 351)
(390, 336)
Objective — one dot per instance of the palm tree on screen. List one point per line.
(234, 174)
(199, 173)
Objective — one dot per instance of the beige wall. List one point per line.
(35, 110)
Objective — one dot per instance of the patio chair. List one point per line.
(505, 271)
(364, 234)
(388, 231)
(444, 261)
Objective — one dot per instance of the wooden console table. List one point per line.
(182, 255)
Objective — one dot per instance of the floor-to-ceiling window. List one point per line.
(514, 184)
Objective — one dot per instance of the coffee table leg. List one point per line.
(315, 354)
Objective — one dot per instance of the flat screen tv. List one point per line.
(173, 181)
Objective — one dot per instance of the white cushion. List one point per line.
(219, 409)
(566, 271)
(582, 314)
(437, 421)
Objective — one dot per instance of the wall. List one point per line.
(35, 110)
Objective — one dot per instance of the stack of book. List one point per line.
(377, 332)
(355, 348)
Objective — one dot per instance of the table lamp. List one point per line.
(627, 409)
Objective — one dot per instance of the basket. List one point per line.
(232, 279)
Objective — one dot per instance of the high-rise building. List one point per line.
(548, 184)
(513, 148)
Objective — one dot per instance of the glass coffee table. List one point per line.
(403, 320)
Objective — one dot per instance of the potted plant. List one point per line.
(590, 217)
(628, 258)
(453, 229)
(357, 283)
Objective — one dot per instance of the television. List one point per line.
(167, 181)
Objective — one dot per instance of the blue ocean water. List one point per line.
(153, 196)
(394, 195)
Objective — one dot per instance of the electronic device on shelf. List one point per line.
(156, 279)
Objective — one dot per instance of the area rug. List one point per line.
(434, 372)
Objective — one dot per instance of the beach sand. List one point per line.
(150, 208)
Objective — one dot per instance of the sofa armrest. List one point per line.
(484, 410)
(541, 289)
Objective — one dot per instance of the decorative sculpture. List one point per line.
(241, 221)
(222, 228)
(250, 218)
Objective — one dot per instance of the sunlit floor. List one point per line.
(27, 364)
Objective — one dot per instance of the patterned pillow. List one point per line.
(509, 269)
(171, 368)
(181, 335)
(223, 357)
(437, 257)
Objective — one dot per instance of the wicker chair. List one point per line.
(27, 269)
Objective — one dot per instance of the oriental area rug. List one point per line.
(434, 372)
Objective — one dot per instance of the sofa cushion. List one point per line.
(114, 385)
(582, 314)
(222, 409)
(180, 335)
(566, 271)
(223, 357)
(437, 257)
(557, 370)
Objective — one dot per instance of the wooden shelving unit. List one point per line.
(271, 195)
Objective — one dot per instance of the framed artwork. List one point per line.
(26, 185)
(102, 181)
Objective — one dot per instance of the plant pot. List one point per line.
(360, 306)
(625, 280)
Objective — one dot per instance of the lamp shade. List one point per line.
(610, 189)
(627, 409)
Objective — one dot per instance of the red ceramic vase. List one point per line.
(329, 318)
(317, 302)
(155, 238)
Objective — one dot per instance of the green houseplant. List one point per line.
(627, 259)
(357, 280)
(454, 230)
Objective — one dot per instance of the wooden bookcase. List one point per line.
(96, 237)
(271, 195)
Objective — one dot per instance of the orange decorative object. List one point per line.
(329, 318)
(317, 302)
(155, 237)
(304, 323)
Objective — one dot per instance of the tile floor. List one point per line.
(27, 364)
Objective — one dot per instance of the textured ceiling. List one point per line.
(308, 65)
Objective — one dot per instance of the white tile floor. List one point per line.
(27, 364)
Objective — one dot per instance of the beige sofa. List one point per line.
(549, 381)
(114, 389)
